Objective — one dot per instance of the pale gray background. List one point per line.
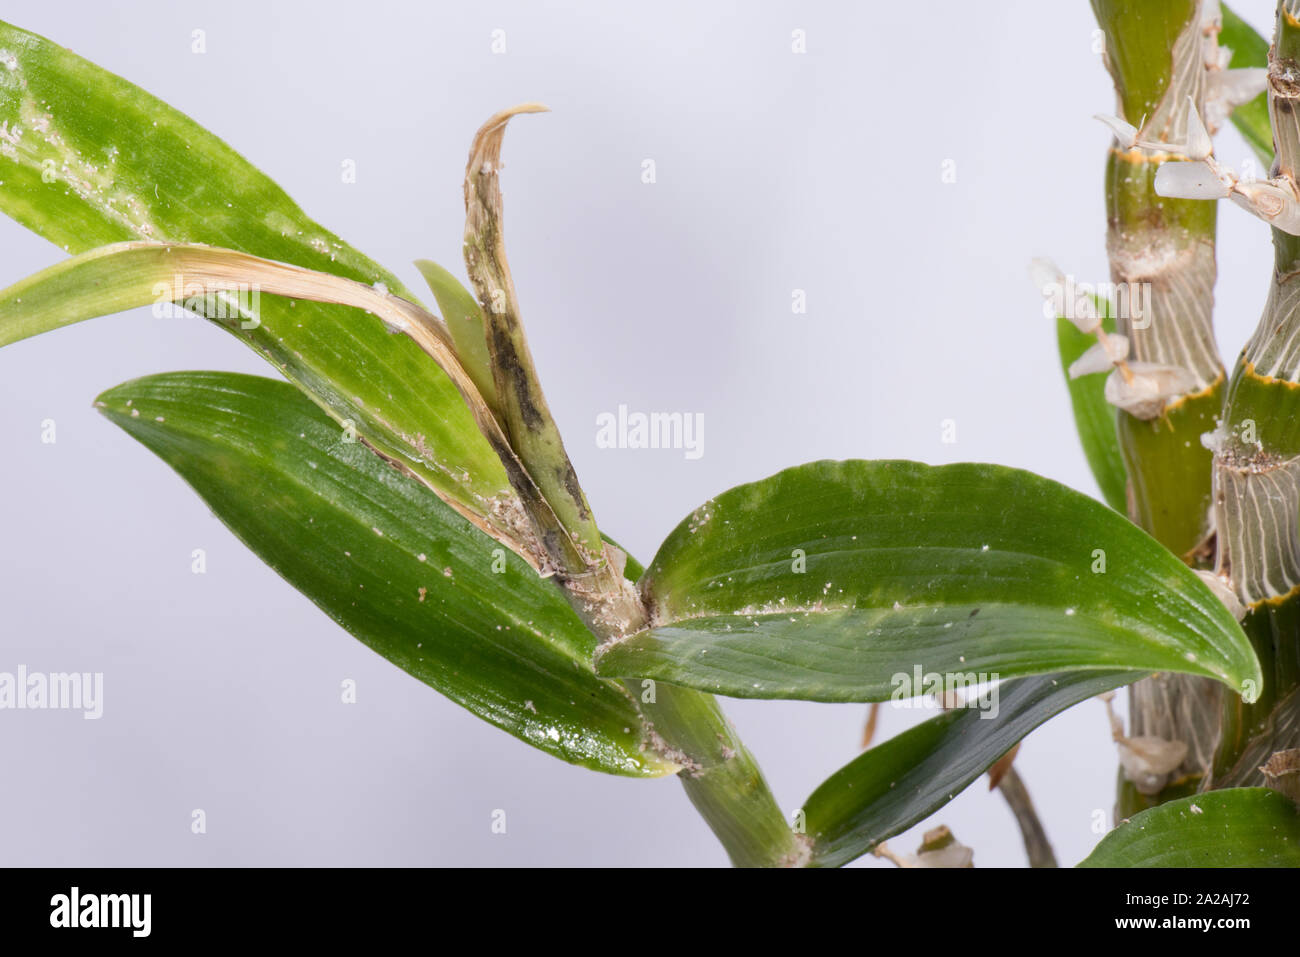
(775, 172)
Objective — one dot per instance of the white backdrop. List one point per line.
(774, 172)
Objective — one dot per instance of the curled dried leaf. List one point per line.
(1148, 761)
(1142, 388)
(1110, 350)
(1189, 180)
(566, 525)
(1198, 145)
(1126, 134)
(939, 849)
(1282, 773)
(1229, 89)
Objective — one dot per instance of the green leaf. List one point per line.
(902, 781)
(1237, 827)
(1094, 417)
(199, 277)
(88, 159)
(1249, 49)
(460, 310)
(397, 568)
(835, 581)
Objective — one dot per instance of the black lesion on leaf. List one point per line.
(515, 377)
(570, 479)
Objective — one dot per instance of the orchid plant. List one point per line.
(407, 476)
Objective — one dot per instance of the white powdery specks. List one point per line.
(45, 149)
(701, 517)
(9, 140)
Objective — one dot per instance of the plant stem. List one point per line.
(721, 777)
(687, 727)
(1257, 459)
(1037, 846)
(1155, 51)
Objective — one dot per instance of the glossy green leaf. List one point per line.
(1249, 49)
(1094, 417)
(902, 781)
(1237, 827)
(838, 581)
(88, 159)
(393, 565)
